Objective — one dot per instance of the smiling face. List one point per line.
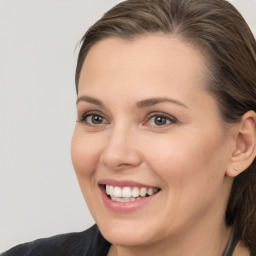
(146, 124)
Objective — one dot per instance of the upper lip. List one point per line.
(124, 183)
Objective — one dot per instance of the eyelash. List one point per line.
(169, 119)
(84, 117)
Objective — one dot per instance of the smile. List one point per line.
(129, 194)
(125, 196)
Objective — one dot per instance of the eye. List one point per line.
(160, 119)
(93, 119)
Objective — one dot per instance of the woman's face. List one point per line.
(146, 124)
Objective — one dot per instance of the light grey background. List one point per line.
(39, 193)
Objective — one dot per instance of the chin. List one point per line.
(125, 237)
(127, 232)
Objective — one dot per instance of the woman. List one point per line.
(165, 142)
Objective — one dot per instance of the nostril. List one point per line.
(120, 155)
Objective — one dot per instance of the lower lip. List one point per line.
(125, 207)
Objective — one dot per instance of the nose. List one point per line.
(120, 150)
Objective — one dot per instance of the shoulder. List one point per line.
(89, 242)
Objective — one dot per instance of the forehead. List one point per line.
(152, 59)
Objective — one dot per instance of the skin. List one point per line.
(187, 158)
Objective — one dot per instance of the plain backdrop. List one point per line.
(39, 193)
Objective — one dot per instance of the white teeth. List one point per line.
(117, 192)
(150, 192)
(135, 192)
(127, 194)
(111, 190)
(125, 199)
(143, 191)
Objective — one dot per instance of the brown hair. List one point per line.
(217, 28)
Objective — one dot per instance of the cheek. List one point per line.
(168, 156)
(85, 153)
(189, 161)
(191, 172)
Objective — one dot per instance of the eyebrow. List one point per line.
(90, 100)
(154, 101)
(140, 104)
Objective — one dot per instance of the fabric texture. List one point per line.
(86, 243)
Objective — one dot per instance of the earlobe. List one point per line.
(245, 141)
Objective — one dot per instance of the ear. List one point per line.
(245, 145)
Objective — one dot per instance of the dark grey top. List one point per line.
(86, 243)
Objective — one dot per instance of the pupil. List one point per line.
(160, 120)
(97, 119)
